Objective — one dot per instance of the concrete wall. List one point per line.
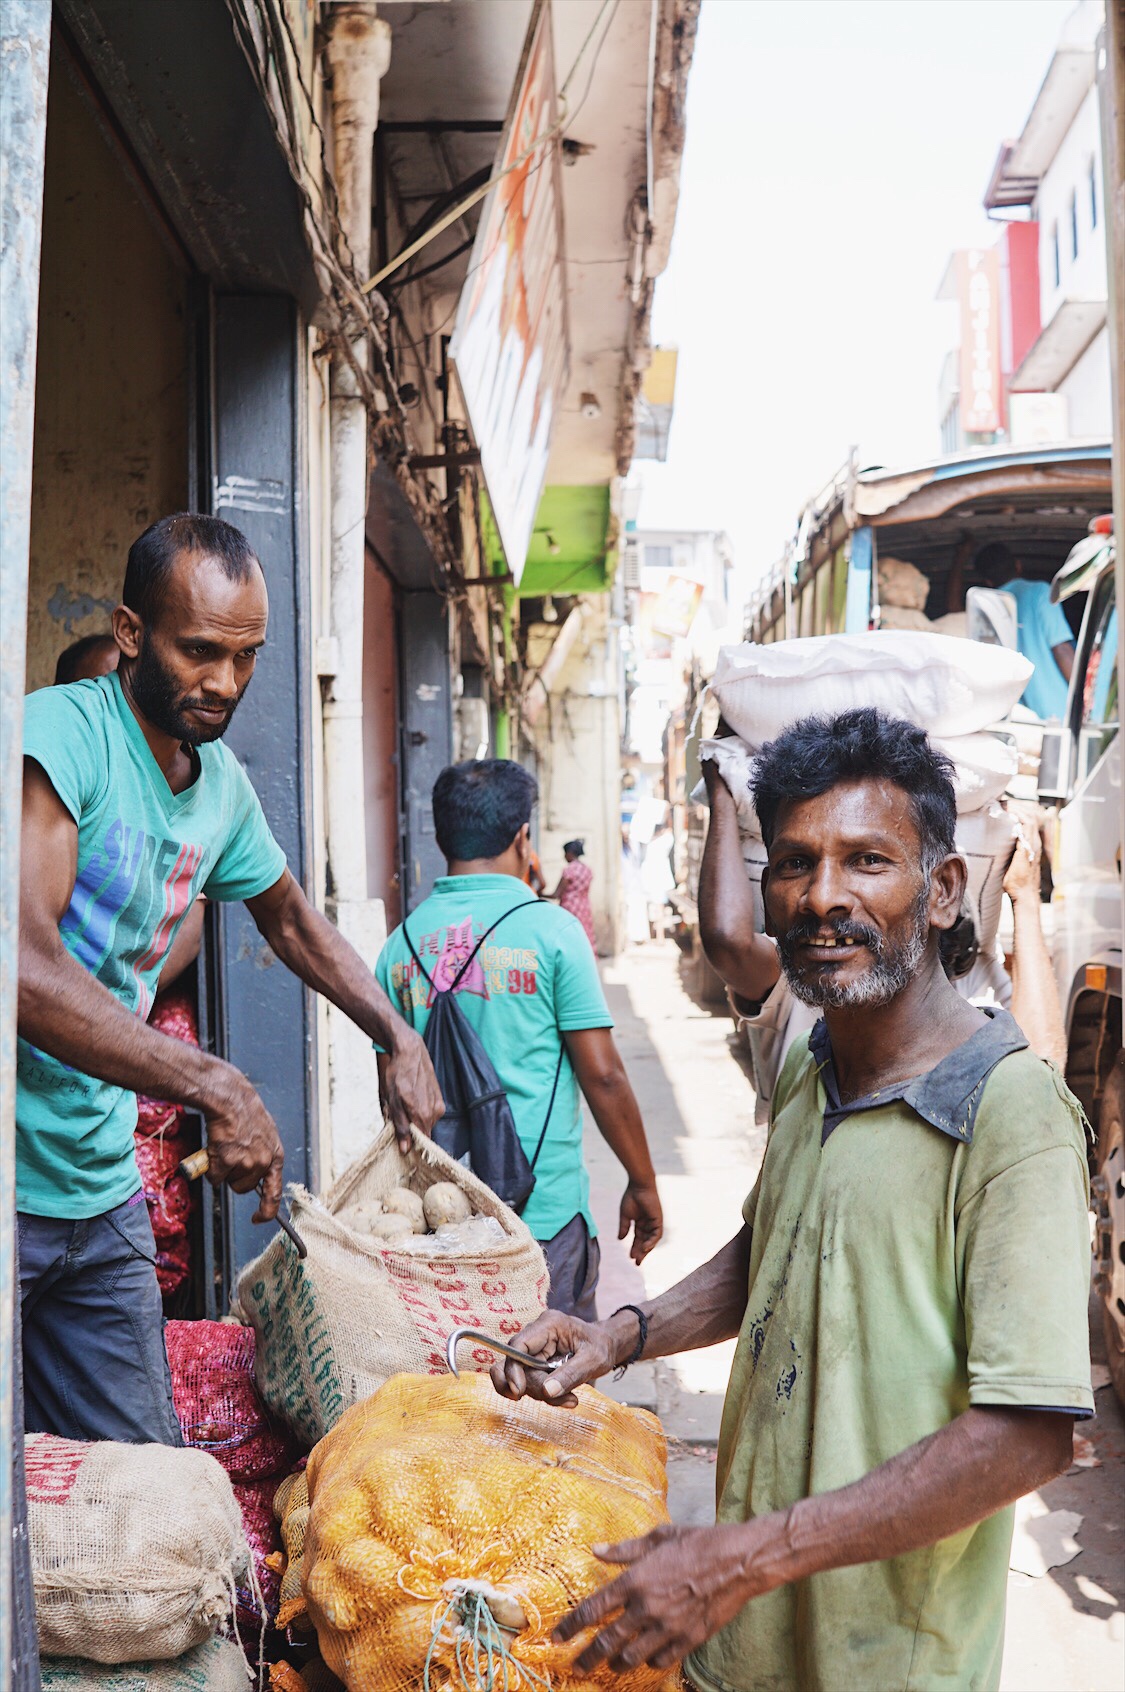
(1084, 277)
(1087, 389)
(579, 767)
(111, 419)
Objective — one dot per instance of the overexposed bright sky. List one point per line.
(837, 152)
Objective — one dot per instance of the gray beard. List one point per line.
(890, 972)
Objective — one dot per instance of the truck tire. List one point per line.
(1109, 1210)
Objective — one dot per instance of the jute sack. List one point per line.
(217, 1666)
(134, 1548)
(356, 1311)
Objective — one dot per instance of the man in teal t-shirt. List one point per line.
(132, 808)
(533, 996)
(1043, 633)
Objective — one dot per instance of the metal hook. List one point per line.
(511, 1351)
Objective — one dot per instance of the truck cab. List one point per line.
(1080, 778)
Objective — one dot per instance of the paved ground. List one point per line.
(1066, 1627)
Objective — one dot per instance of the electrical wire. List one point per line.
(458, 211)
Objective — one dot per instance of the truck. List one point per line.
(1050, 507)
(1080, 779)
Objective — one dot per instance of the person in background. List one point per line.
(132, 807)
(908, 1288)
(657, 878)
(93, 656)
(573, 890)
(1044, 635)
(534, 998)
(535, 878)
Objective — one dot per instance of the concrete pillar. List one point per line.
(358, 53)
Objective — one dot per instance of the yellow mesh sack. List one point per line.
(291, 1507)
(450, 1530)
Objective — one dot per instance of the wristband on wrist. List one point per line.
(638, 1351)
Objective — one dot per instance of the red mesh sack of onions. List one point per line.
(173, 1265)
(166, 1191)
(263, 1535)
(174, 1015)
(218, 1404)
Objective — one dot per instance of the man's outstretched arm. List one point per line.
(65, 1012)
(314, 949)
(744, 957)
(705, 1307)
(681, 1585)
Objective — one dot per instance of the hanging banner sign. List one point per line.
(978, 289)
(510, 346)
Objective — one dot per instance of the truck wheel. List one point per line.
(1109, 1207)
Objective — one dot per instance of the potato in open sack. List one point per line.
(217, 1665)
(218, 1404)
(135, 1549)
(450, 1531)
(362, 1307)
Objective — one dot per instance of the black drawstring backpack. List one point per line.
(478, 1118)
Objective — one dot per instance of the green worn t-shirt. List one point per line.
(144, 854)
(900, 1271)
(531, 981)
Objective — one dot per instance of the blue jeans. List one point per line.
(93, 1328)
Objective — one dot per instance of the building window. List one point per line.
(1074, 223)
(658, 557)
(1093, 180)
(1056, 268)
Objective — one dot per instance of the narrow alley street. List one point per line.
(1066, 1623)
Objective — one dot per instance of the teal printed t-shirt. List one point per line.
(531, 981)
(1041, 627)
(144, 855)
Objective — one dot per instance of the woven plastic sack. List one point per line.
(216, 1666)
(134, 1548)
(357, 1310)
(983, 769)
(218, 1404)
(443, 1515)
(951, 687)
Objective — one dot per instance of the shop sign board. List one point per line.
(510, 346)
(978, 289)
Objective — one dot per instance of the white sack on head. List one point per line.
(983, 767)
(951, 687)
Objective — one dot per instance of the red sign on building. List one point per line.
(978, 287)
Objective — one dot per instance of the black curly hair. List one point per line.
(818, 753)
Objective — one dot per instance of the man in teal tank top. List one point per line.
(132, 808)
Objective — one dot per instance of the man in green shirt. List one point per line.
(132, 808)
(909, 1288)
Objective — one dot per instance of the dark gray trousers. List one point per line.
(93, 1328)
(573, 1260)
